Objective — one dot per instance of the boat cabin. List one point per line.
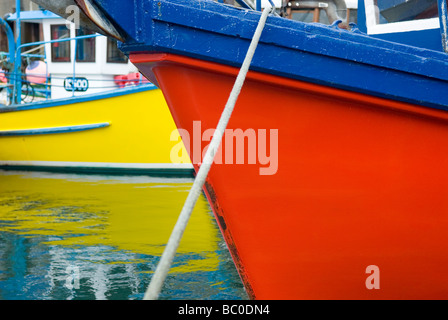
(412, 22)
(83, 66)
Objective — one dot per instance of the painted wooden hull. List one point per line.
(360, 182)
(127, 131)
(357, 207)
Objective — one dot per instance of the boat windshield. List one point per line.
(404, 10)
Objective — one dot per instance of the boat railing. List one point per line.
(29, 89)
(17, 74)
(21, 90)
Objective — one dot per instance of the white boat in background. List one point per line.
(82, 106)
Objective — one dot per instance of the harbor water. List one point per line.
(96, 237)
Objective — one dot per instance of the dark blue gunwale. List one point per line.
(316, 53)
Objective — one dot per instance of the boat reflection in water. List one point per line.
(67, 236)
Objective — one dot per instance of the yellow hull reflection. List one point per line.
(132, 213)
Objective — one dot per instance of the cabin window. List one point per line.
(60, 51)
(85, 48)
(314, 11)
(392, 16)
(352, 15)
(303, 15)
(388, 11)
(323, 18)
(114, 55)
(309, 15)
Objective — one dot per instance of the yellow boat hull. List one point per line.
(129, 130)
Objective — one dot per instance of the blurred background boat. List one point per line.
(71, 101)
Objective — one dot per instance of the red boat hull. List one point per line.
(361, 181)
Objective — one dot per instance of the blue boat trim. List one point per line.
(78, 99)
(33, 15)
(310, 52)
(53, 130)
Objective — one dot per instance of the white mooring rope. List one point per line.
(164, 265)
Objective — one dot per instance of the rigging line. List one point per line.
(157, 280)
